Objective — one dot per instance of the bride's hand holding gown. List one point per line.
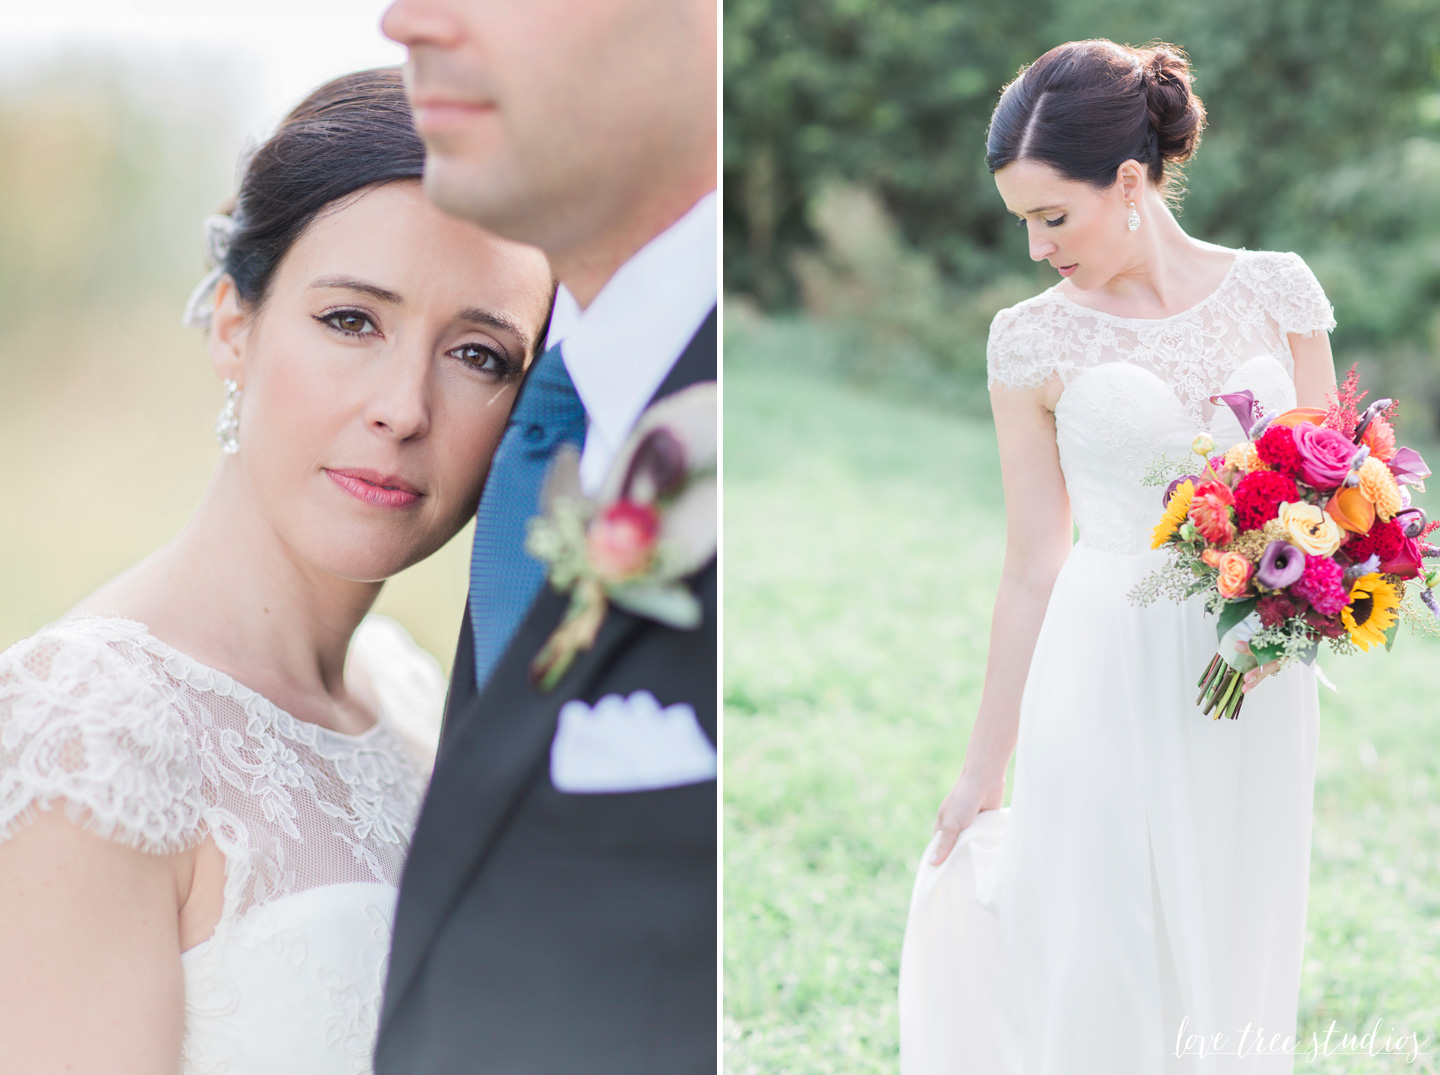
(1151, 871)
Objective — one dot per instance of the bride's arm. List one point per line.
(1037, 542)
(1314, 386)
(90, 974)
(1314, 369)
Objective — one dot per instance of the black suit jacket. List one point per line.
(540, 932)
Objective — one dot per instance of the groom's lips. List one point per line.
(382, 490)
(433, 111)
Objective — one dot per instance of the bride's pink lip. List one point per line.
(382, 490)
(1066, 270)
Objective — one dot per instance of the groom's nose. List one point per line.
(422, 22)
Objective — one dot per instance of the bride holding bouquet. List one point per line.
(1143, 898)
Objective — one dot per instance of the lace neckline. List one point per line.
(226, 684)
(1202, 304)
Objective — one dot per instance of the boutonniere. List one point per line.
(654, 522)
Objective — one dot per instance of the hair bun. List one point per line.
(1176, 113)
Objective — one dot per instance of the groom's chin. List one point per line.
(475, 190)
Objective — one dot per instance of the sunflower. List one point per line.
(1175, 513)
(1371, 611)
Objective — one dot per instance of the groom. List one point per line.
(558, 910)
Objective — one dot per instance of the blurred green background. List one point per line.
(856, 187)
(111, 155)
(865, 253)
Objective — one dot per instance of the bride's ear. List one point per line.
(1130, 179)
(228, 325)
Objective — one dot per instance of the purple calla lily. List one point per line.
(1243, 405)
(1280, 565)
(1194, 479)
(1409, 468)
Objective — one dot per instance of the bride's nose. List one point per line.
(399, 401)
(1040, 247)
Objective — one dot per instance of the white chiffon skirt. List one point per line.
(1140, 905)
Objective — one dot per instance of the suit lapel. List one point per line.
(496, 745)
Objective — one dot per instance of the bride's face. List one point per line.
(377, 376)
(1078, 228)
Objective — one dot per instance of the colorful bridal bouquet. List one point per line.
(1302, 532)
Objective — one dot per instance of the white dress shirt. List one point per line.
(621, 347)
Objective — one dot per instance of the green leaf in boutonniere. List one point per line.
(654, 523)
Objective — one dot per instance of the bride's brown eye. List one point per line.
(350, 322)
(484, 359)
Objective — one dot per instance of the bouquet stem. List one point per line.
(1208, 676)
(1221, 691)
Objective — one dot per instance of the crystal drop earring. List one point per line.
(227, 426)
(1133, 220)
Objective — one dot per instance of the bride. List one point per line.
(1140, 906)
(209, 769)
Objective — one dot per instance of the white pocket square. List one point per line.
(629, 744)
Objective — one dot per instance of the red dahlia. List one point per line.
(1259, 495)
(1384, 540)
(1276, 447)
(1276, 608)
(1325, 626)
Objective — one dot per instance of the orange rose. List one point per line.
(1235, 572)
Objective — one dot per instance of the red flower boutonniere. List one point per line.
(654, 522)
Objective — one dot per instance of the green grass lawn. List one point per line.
(863, 540)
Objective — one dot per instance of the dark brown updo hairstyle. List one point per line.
(351, 133)
(1086, 107)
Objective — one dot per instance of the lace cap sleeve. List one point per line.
(1298, 300)
(1016, 353)
(408, 681)
(82, 721)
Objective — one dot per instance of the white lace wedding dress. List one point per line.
(1147, 885)
(151, 748)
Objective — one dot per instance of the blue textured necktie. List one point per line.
(503, 576)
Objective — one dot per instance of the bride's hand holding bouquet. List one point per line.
(1305, 531)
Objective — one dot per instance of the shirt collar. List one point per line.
(619, 349)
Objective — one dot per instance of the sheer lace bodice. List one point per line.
(1137, 390)
(153, 749)
(1147, 883)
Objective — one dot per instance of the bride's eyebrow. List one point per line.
(473, 314)
(349, 283)
(489, 319)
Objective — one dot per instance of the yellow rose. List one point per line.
(1310, 529)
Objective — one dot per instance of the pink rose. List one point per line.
(1325, 455)
(1235, 572)
(621, 540)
